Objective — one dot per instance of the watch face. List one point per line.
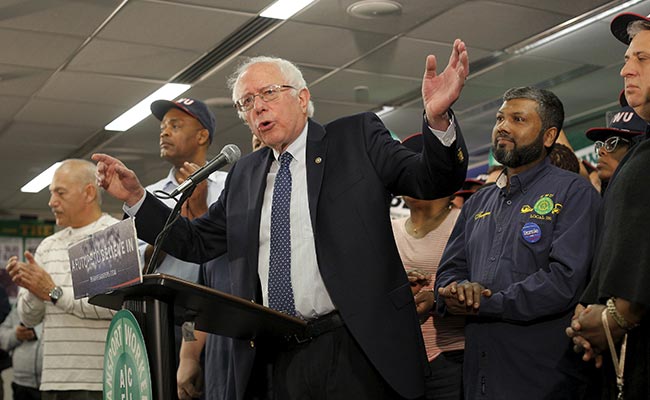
(56, 293)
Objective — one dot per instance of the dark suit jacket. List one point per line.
(353, 165)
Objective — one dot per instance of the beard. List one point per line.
(519, 156)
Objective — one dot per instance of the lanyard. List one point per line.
(619, 365)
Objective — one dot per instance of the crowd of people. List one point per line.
(531, 283)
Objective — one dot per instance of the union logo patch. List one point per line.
(544, 206)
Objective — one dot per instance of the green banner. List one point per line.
(26, 228)
(126, 365)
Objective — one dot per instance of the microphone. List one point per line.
(229, 154)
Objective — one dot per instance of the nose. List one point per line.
(627, 69)
(53, 201)
(602, 151)
(259, 104)
(500, 127)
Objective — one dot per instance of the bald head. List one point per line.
(75, 198)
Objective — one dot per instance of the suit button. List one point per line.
(252, 344)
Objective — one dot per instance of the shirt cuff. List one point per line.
(131, 211)
(447, 137)
(492, 306)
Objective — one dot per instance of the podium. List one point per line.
(162, 300)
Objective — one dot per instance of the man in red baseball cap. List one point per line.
(614, 328)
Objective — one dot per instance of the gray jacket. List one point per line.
(27, 357)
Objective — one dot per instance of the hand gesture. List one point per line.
(31, 276)
(464, 298)
(118, 181)
(588, 333)
(417, 280)
(439, 92)
(24, 334)
(197, 204)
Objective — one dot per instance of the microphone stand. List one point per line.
(154, 263)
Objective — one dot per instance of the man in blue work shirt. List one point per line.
(518, 260)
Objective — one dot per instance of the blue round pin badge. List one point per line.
(531, 232)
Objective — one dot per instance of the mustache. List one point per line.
(502, 135)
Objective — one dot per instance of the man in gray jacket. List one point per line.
(27, 355)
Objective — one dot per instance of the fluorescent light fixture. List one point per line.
(141, 110)
(572, 27)
(384, 110)
(284, 9)
(41, 181)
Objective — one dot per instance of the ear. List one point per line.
(203, 136)
(90, 192)
(303, 97)
(550, 135)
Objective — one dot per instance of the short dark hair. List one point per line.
(549, 106)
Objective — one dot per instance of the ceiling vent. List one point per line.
(228, 46)
(374, 8)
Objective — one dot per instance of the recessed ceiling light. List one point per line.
(284, 9)
(141, 110)
(374, 8)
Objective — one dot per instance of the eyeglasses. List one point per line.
(610, 144)
(267, 94)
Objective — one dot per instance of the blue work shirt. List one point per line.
(531, 244)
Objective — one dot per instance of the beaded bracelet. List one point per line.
(616, 316)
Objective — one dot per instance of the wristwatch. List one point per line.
(55, 294)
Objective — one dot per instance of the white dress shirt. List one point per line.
(310, 294)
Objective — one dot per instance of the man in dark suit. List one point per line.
(305, 222)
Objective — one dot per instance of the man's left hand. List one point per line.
(580, 344)
(464, 298)
(31, 276)
(197, 204)
(439, 92)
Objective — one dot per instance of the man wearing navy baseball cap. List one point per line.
(186, 131)
(614, 328)
(187, 128)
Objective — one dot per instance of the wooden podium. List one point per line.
(161, 300)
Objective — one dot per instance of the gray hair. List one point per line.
(289, 71)
(634, 27)
(549, 106)
(84, 173)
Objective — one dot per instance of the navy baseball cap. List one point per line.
(193, 107)
(625, 123)
(620, 23)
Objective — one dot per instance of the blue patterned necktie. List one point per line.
(280, 290)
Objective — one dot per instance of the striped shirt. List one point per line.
(424, 254)
(74, 332)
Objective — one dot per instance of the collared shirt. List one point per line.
(531, 244)
(74, 331)
(172, 265)
(310, 294)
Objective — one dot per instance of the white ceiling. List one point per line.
(68, 67)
